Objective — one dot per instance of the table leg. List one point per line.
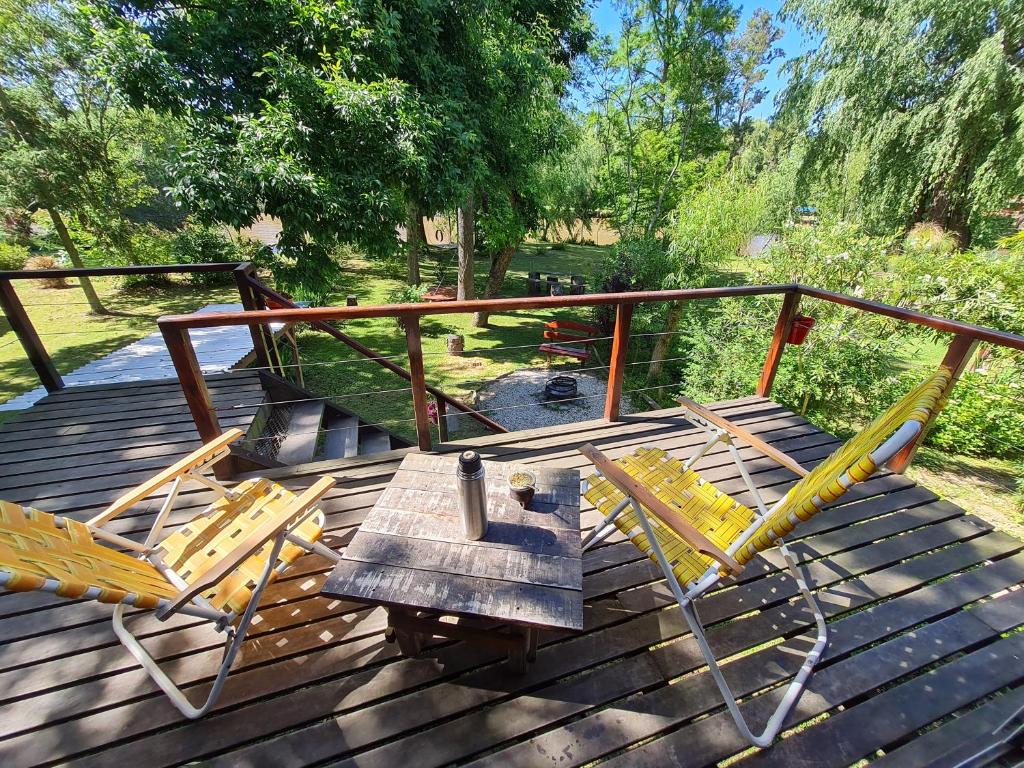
(410, 643)
(523, 649)
(531, 643)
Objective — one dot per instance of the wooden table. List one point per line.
(411, 557)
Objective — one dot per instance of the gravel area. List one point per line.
(525, 390)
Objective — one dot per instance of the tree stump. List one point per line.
(456, 344)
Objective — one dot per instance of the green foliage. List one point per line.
(1018, 495)
(332, 116)
(1013, 243)
(835, 376)
(712, 227)
(566, 184)
(13, 256)
(67, 140)
(406, 294)
(635, 263)
(204, 245)
(659, 91)
(982, 418)
(750, 55)
(930, 92)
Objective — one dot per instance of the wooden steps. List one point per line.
(300, 441)
(342, 438)
(293, 426)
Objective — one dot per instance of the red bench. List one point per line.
(568, 339)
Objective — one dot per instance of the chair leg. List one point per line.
(796, 686)
(174, 693)
(604, 529)
(233, 644)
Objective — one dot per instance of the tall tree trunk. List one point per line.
(495, 279)
(95, 305)
(467, 243)
(414, 243)
(664, 342)
(421, 216)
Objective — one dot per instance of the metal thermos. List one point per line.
(472, 495)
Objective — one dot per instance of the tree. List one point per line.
(333, 116)
(57, 124)
(566, 183)
(932, 94)
(750, 55)
(659, 87)
(466, 215)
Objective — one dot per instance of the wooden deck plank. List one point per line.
(893, 565)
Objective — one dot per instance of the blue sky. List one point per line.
(793, 42)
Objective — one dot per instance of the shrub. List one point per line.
(930, 237)
(406, 294)
(203, 245)
(43, 263)
(13, 256)
(149, 246)
(982, 418)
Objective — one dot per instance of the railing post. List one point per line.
(418, 382)
(620, 344)
(959, 354)
(193, 385)
(26, 333)
(790, 307)
(248, 296)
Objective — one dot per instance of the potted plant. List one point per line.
(522, 484)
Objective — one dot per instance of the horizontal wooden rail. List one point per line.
(142, 269)
(306, 315)
(256, 285)
(978, 332)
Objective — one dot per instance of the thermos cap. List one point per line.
(469, 462)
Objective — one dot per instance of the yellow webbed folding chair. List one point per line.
(215, 567)
(699, 535)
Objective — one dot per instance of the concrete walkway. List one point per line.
(218, 349)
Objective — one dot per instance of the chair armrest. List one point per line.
(266, 531)
(736, 430)
(195, 459)
(670, 517)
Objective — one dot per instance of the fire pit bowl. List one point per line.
(561, 388)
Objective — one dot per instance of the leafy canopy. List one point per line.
(332, 115)
(931, 92)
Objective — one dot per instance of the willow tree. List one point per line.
(931, 92)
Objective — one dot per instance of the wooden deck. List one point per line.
(920, 594)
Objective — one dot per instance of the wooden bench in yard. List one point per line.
(577, 343)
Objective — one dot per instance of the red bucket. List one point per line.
(802, 325)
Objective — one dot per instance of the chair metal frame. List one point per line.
(686, 595)
(189, 601)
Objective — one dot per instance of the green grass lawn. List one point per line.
(509, 344)
(72, 336)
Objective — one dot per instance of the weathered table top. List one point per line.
(410, 550)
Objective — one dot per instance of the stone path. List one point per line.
(218, 349)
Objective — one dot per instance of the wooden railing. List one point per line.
(26, 332)
(175, 330)
(261, 293)
(253, 294)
